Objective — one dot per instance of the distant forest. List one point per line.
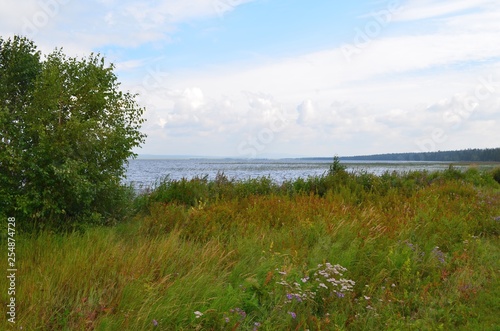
(466, 155)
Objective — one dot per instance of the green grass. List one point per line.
(422, 249)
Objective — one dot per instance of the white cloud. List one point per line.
(86, 26)
(423, 9)
(307, 113)
(377, 103)
(392, 91)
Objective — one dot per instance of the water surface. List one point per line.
(142, 173)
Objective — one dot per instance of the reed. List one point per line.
(343, 251)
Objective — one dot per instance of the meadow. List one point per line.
(343, 251)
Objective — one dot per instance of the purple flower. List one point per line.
(155, 323)
(240, 311)
(292, 314)
(340, 294)
(439, 255)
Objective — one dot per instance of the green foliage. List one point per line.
(66, 130)
(336, 167)
(451, 173)
(496, 174)
(355, 187)
(413, 251)
(466, 155)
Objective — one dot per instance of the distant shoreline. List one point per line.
(460, 156)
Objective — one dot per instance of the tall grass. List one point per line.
(343, 251)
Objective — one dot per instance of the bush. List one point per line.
(336, 167)
(495, 173)
(66, 133)
(187, 192)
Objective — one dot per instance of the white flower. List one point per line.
(198, 314)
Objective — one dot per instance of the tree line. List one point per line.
(465, 155)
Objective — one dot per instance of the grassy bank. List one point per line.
(413, 251)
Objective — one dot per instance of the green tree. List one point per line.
(66, 131)
(336, 167)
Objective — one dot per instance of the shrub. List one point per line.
(495, 173)
(66, 133)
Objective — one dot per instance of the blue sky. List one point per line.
(274, 78)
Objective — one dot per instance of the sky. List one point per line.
(276, 78)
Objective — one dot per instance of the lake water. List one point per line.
(142, 173)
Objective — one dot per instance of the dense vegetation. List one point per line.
(466, 155)
(343, 251)
(65, 131)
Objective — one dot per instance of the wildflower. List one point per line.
(198, 314)
(256, 326)
(366, 298)
(155, 323)
(323, 285)
(291, 296)
(281, 272)
(439, 255)
(305, 279)
(241, 312)
(332, 281)
(340, 294)
(292, 314)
